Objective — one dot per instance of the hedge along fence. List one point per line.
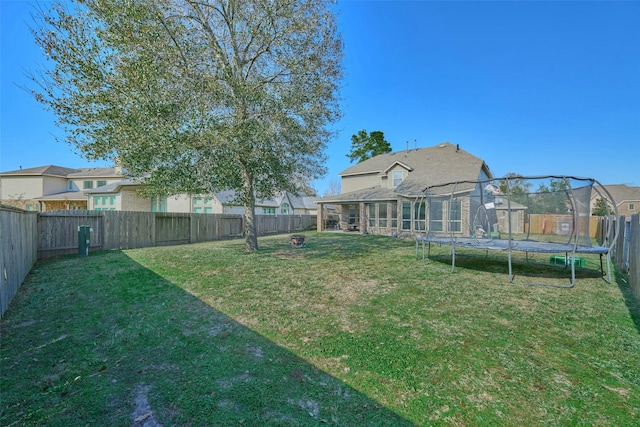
(58, 231)
(18, 250)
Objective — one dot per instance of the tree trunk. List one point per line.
(250, 235)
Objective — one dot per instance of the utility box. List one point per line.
(84, 239)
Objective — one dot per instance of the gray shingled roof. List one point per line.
(67, 195)
(439, 164)
(372, 193)
(95, 172)
(623, 193)
(50, 170)
(112, 188)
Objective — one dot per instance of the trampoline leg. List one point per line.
(510, 270)
(606, 278)
(453, 258)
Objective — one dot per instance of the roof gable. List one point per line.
(428, 166)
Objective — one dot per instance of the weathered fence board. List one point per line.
(18, 251)
(172, 229)
(58, 231)
(634, 254)
(126, 230)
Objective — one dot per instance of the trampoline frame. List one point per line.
(570, 249)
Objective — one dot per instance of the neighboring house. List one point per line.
(49, 188)
(382, 195)
(124, 196)
(627, 198)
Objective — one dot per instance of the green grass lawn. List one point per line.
(348, 330)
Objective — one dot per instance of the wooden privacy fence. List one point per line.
(58, 231)
(626, 252)
(559, 224)
(18, 250)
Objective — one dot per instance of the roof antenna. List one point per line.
(457, 148)
(407, 150)
(415, 144)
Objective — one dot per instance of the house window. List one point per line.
(112, 200)
(455, 216)
(382, 215)
(200, 201)
(96, 200)
(284, 209)
(269, 211)
(353, 218)
(419, 216)
(87, 185)
(632, 207)
(70, 185)
(406, 215)
(435, 215)
(397, 178)
(394, 214)
(371, 211)
(158, 204)
(101, 183)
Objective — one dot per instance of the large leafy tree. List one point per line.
(196, 95)
(366, 145)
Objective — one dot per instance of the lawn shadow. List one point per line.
(630, 299)
(102, 340)
(531, 268)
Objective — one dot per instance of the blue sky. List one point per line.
(535, 87)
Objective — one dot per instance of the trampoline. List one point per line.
(543, 214)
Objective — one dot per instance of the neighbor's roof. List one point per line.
(96, 172)
(67, 195)
(49, 170)
(302, 201)
(64, 172)
(113, 187)
(623, 193)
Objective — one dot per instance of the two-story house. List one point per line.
(382, 195)
(49, 188)
(627, 198)
(124, 196)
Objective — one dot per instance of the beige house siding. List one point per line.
(22, 188)
(53, 185)
(77, 184)
(629, 207)
(356, 182)
(180, 203)
(131, 201)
